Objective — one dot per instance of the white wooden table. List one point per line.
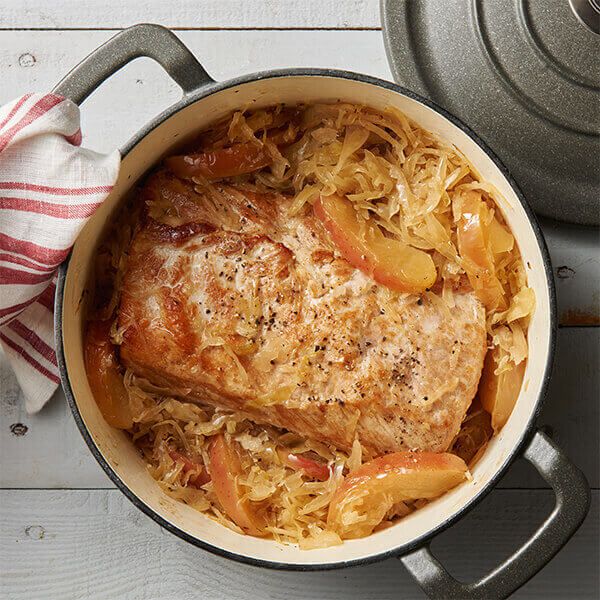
(65, 531)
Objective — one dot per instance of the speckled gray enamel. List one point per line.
(148, 40)
(524, 74)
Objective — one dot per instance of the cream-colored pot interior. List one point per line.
(116, 448)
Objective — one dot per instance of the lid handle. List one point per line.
(587, 13)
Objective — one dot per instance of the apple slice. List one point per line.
(105, 377)
(224, 468)
(387, 261)
(472, 233)
(198, 474)
(367, 494)
(498, 393)
(312, 468)
(238, 159)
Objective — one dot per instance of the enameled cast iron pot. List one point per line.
(204, 101)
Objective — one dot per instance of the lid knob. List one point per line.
(587, 13)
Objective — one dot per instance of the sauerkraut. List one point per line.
(404, 183)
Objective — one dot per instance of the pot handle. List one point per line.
(152, 41)
(572, 504)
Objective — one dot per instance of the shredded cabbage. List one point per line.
(412, 185)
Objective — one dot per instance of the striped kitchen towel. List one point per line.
(49, 187)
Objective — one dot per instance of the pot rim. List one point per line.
(216, 87)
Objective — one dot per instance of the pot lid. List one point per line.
(525, 75)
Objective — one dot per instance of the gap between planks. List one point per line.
(195, 29)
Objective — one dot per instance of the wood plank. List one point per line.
(52, 454)
(81, 544)
(95, 14)
(42, 450)
(38, 60)
(575, 254)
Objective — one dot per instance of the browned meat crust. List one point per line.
(228, 300)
